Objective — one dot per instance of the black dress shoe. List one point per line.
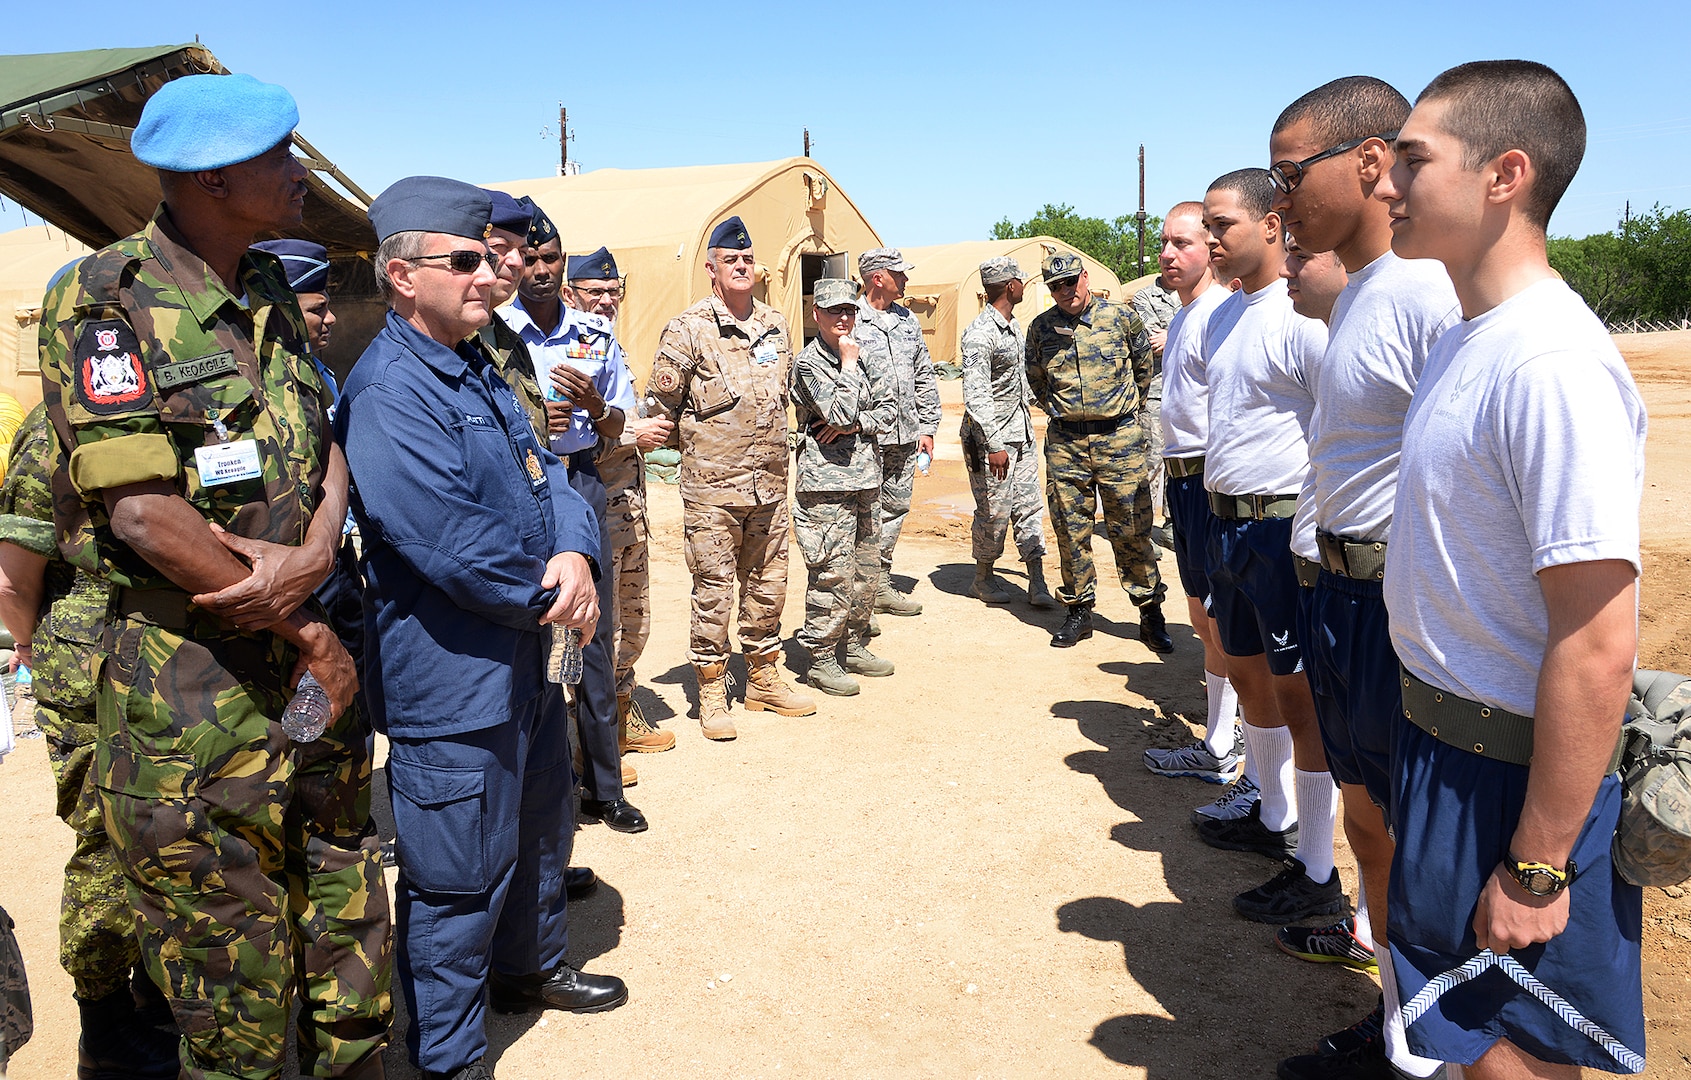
(616, 813)
(580, 882)
(1153, 629)
(1077, 626)
(566, 988)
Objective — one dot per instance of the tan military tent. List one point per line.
(656, 223)
(945, 290)
(28, 258)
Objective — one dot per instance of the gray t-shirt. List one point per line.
(1186, 396)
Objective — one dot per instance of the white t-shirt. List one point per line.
(1523, 449)
(1186, 405)
(1383, 326)
(1256, 354)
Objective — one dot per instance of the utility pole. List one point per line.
(1141, 214)
(806, 142)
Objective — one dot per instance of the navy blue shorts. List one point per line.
(1254, 590)
(1454, 813)
(1190, 514)
(1352, 672)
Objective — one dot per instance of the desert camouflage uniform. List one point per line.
(246, 858)
(97, 943)
(837, 519)
(724, 383)
(622, 469)
(1156, 307)
(1090, 367)
(996, 417)
(893, 350)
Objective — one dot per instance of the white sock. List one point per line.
(1364, 927)
(1318, 810)
(1224, 706)
(1397, 1048)
(1271, 748)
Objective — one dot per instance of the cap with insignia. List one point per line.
(432, 204)
(510, 214)
(597, 266)
(835, 292)
(999, 269)
(208, 121)
(305, 263)
(730, 234)
(540, 227)
(882, 259)
(1060, 266)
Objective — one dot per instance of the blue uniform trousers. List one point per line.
(596, 697)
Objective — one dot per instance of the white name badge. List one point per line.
(228, 463)
(764, 355)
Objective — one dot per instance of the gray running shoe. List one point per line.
(1196, 761)
(1233, 803)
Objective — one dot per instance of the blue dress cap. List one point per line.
(209, 121)
(510, 214)
(305, 263)
(540, 227)
(600, 265)
(730, 234)
(432, 204)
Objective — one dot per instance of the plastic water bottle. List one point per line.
(308, 713)
(924, 462)
(563, 663)
(25, 679)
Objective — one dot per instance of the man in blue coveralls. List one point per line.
(473, 543)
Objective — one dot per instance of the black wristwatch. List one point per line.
(1540, 879)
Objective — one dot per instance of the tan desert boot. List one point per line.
(766, 690)
(635, 733)
(629, 776)
(713, 701)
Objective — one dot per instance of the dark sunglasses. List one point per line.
(1287, 175)
(1065, 285)
(463, 261)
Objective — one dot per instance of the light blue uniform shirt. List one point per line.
(583, 341)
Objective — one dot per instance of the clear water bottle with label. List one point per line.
(563, 663)
(924, 462)
(308, 713)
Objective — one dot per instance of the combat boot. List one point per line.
(874, 625)
(828, 676)
(713, 701)
(765, 689)
(1038, 595)
(1153, 629)
(117, 1044)
(987, 588)
(860, 660)
(889, 601)
(635, 733)
(629, 776)
(1077, 626)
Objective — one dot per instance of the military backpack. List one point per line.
(1653, 839)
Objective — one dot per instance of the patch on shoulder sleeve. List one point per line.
(666, 379)
(109, 375)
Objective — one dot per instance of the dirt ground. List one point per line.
(964, 871)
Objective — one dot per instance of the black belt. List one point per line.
(1179, 467)
(1252, 507)
(1308, 570)
(1093, 427)
(1359, 560)
(1486, 730)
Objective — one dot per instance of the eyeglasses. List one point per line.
(463, 261)
(614, 293)
(1065, 285)
(1287, 175)
(839, 312)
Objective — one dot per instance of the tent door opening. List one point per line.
(813, 267)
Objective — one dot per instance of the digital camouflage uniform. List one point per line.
(1156, 307)
(623, 471)
(837, 519)
(894, 350)
(248, 860)
(1093, 369)
(724, 383)
(996, 417)
(97, 943)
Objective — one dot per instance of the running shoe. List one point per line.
(1195, 761)
(1368, 1031)
(1291, 895)
(1249, 834)
(1334, 944)
(1232, 804)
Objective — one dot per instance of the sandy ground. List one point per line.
(965, 871)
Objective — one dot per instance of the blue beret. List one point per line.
(510, 214)
(730, 234)
(306, 263)
(432, 204)
(540, 227)
(599, 265)
(209, 121)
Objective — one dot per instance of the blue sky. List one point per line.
(937, 119)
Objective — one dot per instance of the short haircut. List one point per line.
(1253, 187)
(1187, 209)
(401, 245)
(1353, 107)
(1495, 106)
(996, 289)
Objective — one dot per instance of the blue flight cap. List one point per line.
(209, 121)
(730, 234)
(433, 204)
(599, 265)
(59, 274)
(305, 263)
(540, 227)
(510, 214)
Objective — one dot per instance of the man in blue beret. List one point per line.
(475, 546)
(195, 455)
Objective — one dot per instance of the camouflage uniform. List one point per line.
(1156, 307)
(97, 943)
(996, 417)
(246, 858)
(1091, 371)
(837, 518)
(623, 470)
(893, 350)
(724, 383)
(512, 360)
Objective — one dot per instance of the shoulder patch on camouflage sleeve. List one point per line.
(666, 379)
(109, 375)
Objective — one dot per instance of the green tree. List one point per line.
(1641, 270)
(1113, 243)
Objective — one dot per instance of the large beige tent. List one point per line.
(28, 259)
(945, 290)
(656, 223)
